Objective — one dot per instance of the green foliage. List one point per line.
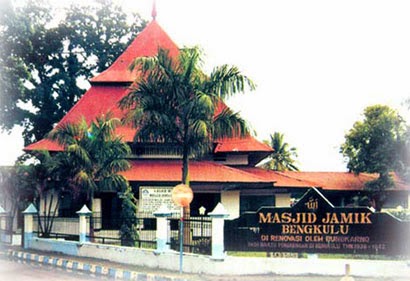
(44, 178)
(404, 161)
(16, 192)
(175, 102)
(375, 145)
(372, 145)
(377, 189)
(94, 153)
(129, 227)
(282, 158)
(45, 53)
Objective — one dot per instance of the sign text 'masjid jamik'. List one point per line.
(311, 218)
(308, 223)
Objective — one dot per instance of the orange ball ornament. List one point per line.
(182, 195)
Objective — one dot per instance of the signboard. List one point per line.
(153, 197)
(314, 225)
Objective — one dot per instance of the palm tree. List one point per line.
(95, 155)
(45, 175)
(281, 159)
(42, 180)
(173, 101)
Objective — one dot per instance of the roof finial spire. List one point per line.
(154, 10)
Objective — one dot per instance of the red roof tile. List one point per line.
(44, 144)
(246, 144)
(340, 180)
(199, 171)
(279, 179)
(96, 101)
(146, 44)
(102, 98)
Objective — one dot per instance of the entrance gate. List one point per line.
(314, 225)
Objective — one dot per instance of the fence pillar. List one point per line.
(83, 214)
(218, 216)
(28, 225)
(162, 229)
(3, 225)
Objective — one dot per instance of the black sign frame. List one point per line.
(315, 225)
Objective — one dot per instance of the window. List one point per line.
(254, 202)
(70, 204)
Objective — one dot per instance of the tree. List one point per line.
(404, 161)
(373, 146)
(281, 159)
(45, 54)
(49, 180)
(174, 102)
(41, 181)
(96, 155)
(15, 191)
(129, 221)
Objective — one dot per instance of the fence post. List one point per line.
(83, 214)
(28, 225)
(3, 225)
(218, 216)
(162, 229)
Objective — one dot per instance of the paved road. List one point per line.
(22, 271)
(294, 278)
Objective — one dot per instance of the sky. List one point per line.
(317, 64)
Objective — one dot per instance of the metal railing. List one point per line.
(197, 235)
(57, 227)
(108, 231)
(6, 229)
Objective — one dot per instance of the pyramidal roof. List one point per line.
(107, 88)
(110, 86)
(146, 44)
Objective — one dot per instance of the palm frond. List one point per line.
(227, 80)
(229, 124)
(84, 180)
(282, 157)
(81, 155)
(113, 182)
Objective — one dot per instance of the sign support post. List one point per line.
(182, 196)
(181, 239)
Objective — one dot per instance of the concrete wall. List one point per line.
(230, 200)
(200, 264)
(408, 201)
(282, 200)
(241, 159)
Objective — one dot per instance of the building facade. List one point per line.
(227, 174)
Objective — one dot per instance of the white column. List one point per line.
(162, 229)
(282, 200)
(3, 225)
(218, 216)
(28, 225)
(231, 200)
(83, 214)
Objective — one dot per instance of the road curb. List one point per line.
(96, 269)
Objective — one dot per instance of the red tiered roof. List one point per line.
(146, 44)
(280, 180)
(110, 86)
(324, 180)
(342, 180)
(199, 171)
(246, 144)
